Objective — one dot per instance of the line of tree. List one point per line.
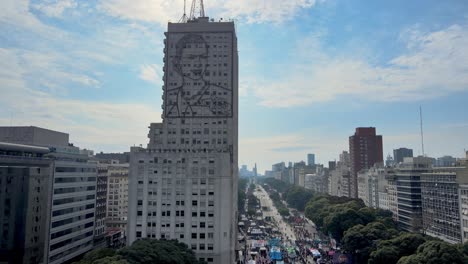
(145, 251)
(371, 236)
(253, 204)
(296, 196)
(241, 196)
(282, 209)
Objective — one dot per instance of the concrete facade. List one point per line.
(184, 185)
(65, 190)
(117, 196)
(444, 201)
(401, 153)
(371, 183)
(25, 183)
(404, 192)
(31, 135)
(365, 149)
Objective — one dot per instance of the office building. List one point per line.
(73, 208)
(311, 159)
(444, 193)
(184, 184)
(445, 161)
(25, 188)
(401, 153)
(53, 196)
(34, 136)
(365, 149)
(404, 192)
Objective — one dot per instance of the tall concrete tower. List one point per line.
(184, 184)
(365, 149)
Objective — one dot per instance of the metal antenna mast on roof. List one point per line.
(197, 4)
(184, 17)
(422, 134)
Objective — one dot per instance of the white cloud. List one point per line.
(55, 8)
(261, 11)
(94, 125)
(434, 65)
(16, 13)
(91, 124)
(162, 11)
(48, 71)
(150, 73)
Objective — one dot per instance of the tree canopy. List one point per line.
(362, 240)
(393, 249)
(145, 251)
(298, 197)
(435, 252)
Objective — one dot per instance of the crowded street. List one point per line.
(266, 236)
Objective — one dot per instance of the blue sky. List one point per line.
(310, 72)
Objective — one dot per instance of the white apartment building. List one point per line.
(184, 185)
(371, 183)
(117, 196)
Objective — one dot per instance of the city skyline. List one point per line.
(329, 68)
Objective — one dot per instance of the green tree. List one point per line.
(149, 251)
(387, 254)
(392, 250)
(283, 211)
(434, 252)
(111, 260)
(297, 197)
(145, 251)
(241, 187)
(338, 222)
(97, 255)
(362, 240)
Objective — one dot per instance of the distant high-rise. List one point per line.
(184, 185)
(365, 148)
(311, 159)
(401, 153)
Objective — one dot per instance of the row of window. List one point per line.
(74, 169)
(72, 210)
(202, 247)
(71, 230)
(74, 199)
(75, 179)
(70, 241)
(71, 220)
(74, 189)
